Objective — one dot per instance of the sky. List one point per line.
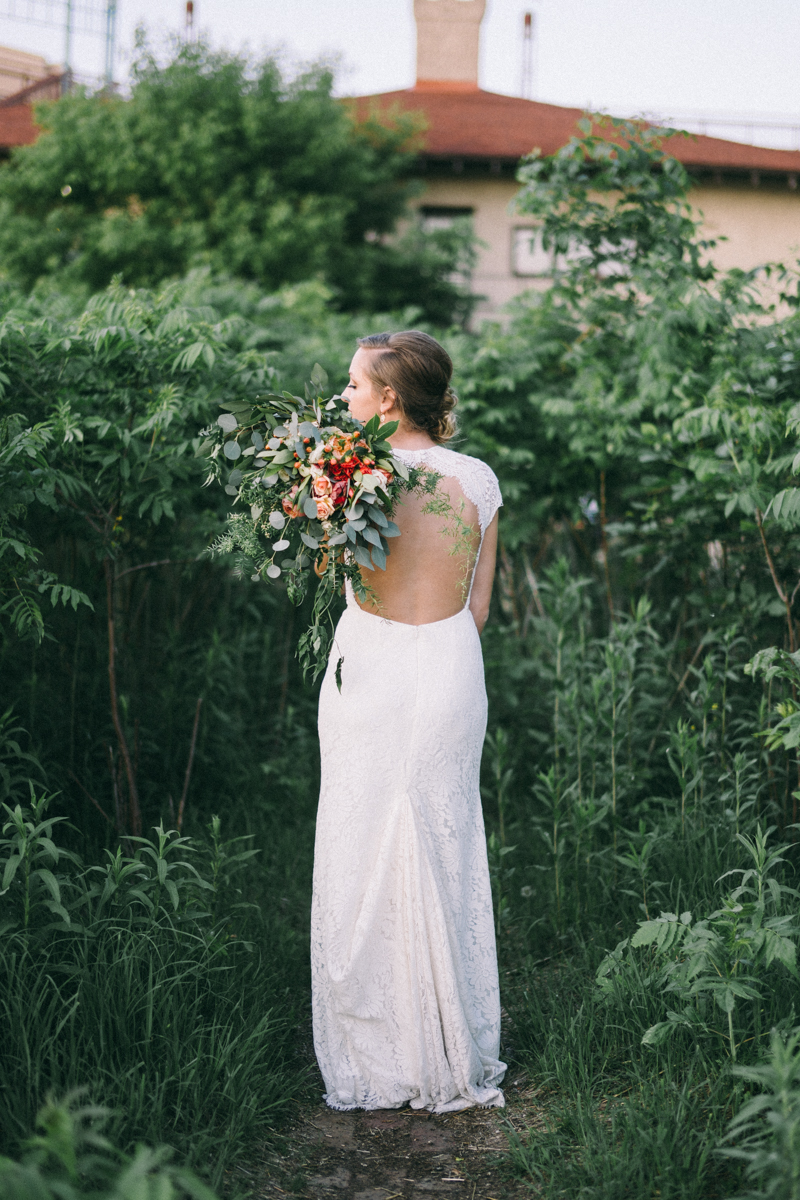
(620, 56)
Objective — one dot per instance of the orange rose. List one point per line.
(321, 487)
(324, 509)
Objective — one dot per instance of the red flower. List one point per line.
(339, 492)
(342, 470)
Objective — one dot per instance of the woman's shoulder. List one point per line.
(476, 478)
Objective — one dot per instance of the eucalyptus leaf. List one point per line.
(231, 490)
(311, 542)
(232, 450)
(257, 440)
(283, 544)
(270, 480)
(371, 535)
(273, 570)
(361, 555)
(227, 422)
(337, 539)
(379, 557)
(235, 477)
(391, 530)
(358, 525)
(277, 520)
(310, 506)
(319, 377)
(377, 517)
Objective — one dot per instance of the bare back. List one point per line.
(430, 568)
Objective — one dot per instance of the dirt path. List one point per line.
(388, 1155)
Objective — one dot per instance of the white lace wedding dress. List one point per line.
(405, 988)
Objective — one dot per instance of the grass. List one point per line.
(148, 981)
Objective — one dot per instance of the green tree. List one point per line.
(212, 161)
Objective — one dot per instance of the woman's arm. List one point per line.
(484, 576)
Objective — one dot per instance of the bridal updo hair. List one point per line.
(418, 370)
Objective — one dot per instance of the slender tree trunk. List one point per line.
(604, 545)
(134, 812)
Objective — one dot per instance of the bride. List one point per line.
(405, 989)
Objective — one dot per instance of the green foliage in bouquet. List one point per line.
(321, 489)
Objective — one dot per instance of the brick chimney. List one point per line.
(448, 39)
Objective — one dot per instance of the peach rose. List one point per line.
(324, 509)
(321, 487)
(290, 509)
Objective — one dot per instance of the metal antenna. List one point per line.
(528, 27)
(68, 39)
(97, 18)
(111, 40)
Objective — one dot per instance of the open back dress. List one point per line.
(404, 969)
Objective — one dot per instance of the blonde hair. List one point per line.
(418, 370)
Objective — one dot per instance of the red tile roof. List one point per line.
(17, 126)
(471, 123)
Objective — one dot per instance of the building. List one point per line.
(24, 79)
(18, 70)
(475, 139)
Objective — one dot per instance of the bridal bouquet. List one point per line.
(320, 488)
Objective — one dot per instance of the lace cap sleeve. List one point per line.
(493, 499)
(478, 481)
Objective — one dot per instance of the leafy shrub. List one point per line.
(766, 1130)
(718, 961)
(134, 978)
(70, 1159)
(272, 179)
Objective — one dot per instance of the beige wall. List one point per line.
(18, 69)
(761, 224)
(491, 201)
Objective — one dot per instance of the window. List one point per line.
(528, 256)
(437, 216)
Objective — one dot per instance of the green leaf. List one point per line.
(12, 864)
(656, 1035)
(49, 880)
(319, 379)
